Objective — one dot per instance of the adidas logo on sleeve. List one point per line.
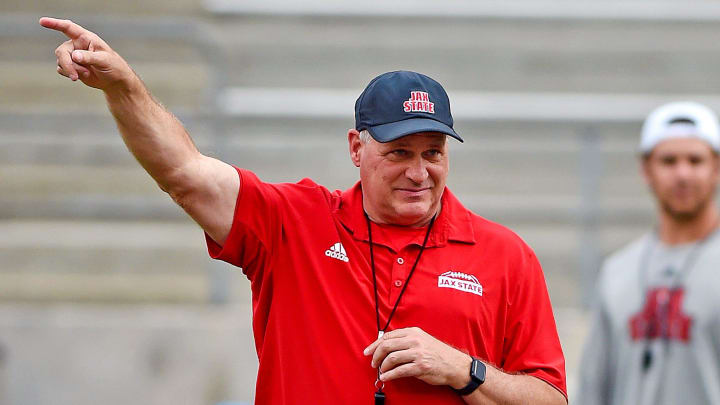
(337, 251)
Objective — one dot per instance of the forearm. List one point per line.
(505, 389)
(154, 136)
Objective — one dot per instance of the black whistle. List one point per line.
(647, 359)
(379, 398)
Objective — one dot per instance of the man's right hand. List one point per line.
(87, 57)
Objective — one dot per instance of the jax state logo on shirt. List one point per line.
(662, 317)
(460, 281)
(419, 101)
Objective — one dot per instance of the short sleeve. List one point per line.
(531, 344)
(256, 227)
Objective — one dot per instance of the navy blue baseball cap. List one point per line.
(396, 104)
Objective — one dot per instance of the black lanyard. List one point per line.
(687, 266)
(380, 395)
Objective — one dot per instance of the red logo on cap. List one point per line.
(419, 102)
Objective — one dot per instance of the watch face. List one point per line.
(477, 371)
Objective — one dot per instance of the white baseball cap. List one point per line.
(684, 119)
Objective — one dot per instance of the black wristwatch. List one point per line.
(477, 377)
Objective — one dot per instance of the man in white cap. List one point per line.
(655, 336)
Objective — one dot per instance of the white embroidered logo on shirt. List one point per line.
(337, 251)
(460, 281)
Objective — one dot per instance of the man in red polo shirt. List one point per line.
(391, 291)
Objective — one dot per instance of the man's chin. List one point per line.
(683, 213)
(413, 215)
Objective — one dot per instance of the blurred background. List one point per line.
(106, 292)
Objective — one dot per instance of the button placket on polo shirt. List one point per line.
(401, 266)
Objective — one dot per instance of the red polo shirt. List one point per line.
(478, 287)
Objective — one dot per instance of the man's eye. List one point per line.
(399, 152)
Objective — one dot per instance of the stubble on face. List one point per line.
(684, 215)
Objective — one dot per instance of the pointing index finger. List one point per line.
(67, 27)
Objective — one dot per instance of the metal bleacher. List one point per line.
(549, 96)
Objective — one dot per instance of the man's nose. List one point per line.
(417, 171)
(683, 170)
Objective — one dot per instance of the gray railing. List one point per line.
(634, 10)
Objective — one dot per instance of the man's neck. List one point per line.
(673, 231)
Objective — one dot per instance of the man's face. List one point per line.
(683, 175)
(402, 180)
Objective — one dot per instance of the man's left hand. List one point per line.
(411, 352)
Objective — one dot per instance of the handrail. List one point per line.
(615, 10)
(507, 106)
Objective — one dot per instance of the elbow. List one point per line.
(182, 195)
(181, 184)
(180, 198)
(179, 188)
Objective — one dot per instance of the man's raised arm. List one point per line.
(204, 187)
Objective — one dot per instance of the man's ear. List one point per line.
(355, 146)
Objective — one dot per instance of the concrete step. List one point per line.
(72, 9)
(155, 353)
(27, 83)
(127, 262)
(48, 180)
(49, 165)
(560, 249)
(531, 208)
(525, 55)
(52, 162)
(105, 261)
(507, 55)
(168, 52)
(500, 189)
(107, 149)
(101, 235)
(159, 354)
(86, 285)
(42, 181)
(49, 287)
